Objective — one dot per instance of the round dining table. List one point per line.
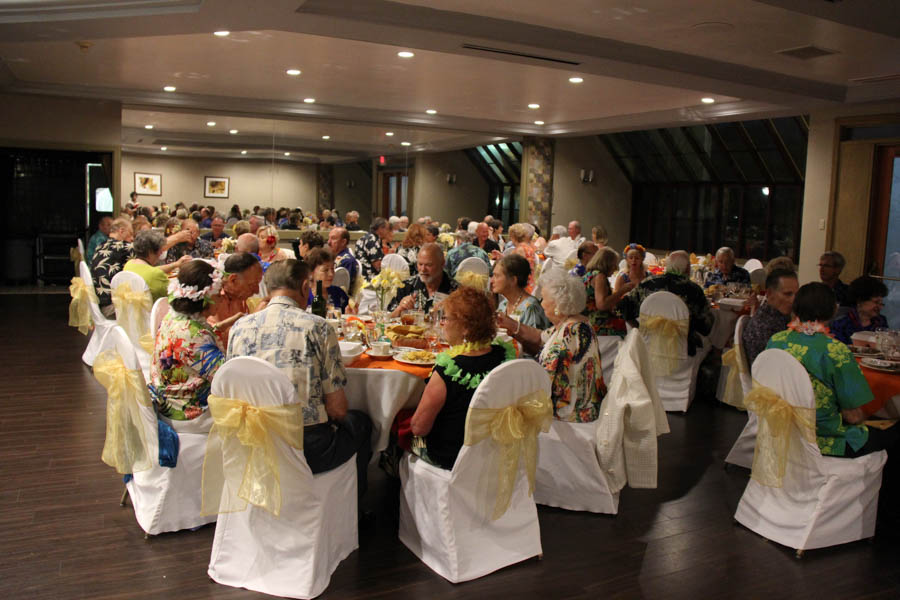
(885, 388)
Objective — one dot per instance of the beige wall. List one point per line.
(251, 182)
(433, 196)
(61, 122)
(606, 201)
(819, 188)
(359, 197)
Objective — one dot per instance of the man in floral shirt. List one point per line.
(726, 271)
(369, 251)
(465, 250)
(109, 259)
(196, 246)
(305, 348)
(430, 286)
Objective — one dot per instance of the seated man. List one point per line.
(726, 271)
(109, 259)
(215, 237)
(675, 280)
(831, 264)
(243, 272)
(305, 348)
(100, 236)
(464, 250)
(586, 252)
(247, 242)
(559, 247)
(338, 240)
(773, 316)
(430, 286)
(193, 246)
(483, 239)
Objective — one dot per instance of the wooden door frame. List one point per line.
(880, 210)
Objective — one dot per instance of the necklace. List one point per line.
(512, 306)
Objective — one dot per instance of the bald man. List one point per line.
(247, 242)
(429, 287)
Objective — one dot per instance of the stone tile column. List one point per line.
(536, 191)
(324, 187)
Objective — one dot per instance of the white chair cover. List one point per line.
(650, 259)
(397, 263)
(159, 310)
(439, 517)
(342, 279)
(473, 264)
(292, 555)
(758, 277)
(101, 324)
(741, 453)
(824, 500)
(381, 393)
(164, 499)
(753, 264)
(140, 327)
(676, 390)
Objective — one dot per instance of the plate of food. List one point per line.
(865, 351)
(878, 364)
(421, 358)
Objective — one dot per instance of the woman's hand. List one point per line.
(504, 321)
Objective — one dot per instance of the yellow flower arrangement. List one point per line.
(385, 285)
(446, 240)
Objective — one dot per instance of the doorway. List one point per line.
(394, 193)
(883, 251)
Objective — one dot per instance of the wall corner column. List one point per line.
(536, 193)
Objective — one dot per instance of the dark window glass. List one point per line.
(731, 216)
(756, 206)
(785, 237)
(684, 217)
(705, 220)
(662, 201)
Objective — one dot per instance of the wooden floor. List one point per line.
(64, 535)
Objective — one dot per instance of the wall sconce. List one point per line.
(587, 176)
(351, 184)
(451, 178)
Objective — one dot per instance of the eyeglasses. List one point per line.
(827, 266)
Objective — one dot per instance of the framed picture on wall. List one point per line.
(148, 184)
(215, 187)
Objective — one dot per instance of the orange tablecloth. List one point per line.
(367, 362)
(884, 386)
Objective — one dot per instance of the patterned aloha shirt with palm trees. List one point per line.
(837, 382)
(186, 356)
(571, 357)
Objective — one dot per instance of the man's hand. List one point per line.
(854, 416)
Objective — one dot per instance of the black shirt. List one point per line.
(489, 246)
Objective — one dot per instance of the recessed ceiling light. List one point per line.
(405, 54)
(293, 72)
(210, 123)
(575, 79)
(243, 152)
(707, 100)
(163, 148)
(287, 153)
(538, 122)
(431, 111)
(148, 126)
(534, 106)
(169, 88)
(222, 33)
(405, 144)
(233, 131)
(389, 133)
(326, 137)
(309, 100)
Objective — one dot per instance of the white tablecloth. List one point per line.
(381, 393)
(723, 329)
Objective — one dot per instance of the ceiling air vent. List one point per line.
(519, 54)
(806, 52)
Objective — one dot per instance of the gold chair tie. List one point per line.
(734, 391)
(666, 339)
(570, 264)
(79, 308)
(132, 309)
(125, 447)
(241, 463)
(773, 440)
(473, 280)
(514, 429)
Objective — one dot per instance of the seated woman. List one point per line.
(148, 248)
(411, 244)
(867, 295)
(601, 300)
(187, 352)
(634, 272)
(440, 419)
(517, 307)
(321, 261)
(520, 235)
(269, 251)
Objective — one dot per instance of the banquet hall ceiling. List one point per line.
(477, 63)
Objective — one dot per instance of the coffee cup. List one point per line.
(380, 348)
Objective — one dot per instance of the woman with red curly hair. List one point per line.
(634, 271)
(440, 420)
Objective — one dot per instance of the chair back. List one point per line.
(753, 264)
(665, 348)
(571, 260)
(746, 379)
(135, 320)
(650, 259)
(81, 249)
(758, 276)
(342, 279)
(85, 273)
(395, 262)
(473, 264)
(159, 310)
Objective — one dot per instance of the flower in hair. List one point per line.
(271, 240)
(634, 246)
(196, 293)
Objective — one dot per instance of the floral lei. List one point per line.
(808, 327)
(455, 373)
(634, 246)
(193, 292)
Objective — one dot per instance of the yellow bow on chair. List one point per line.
(734, 392)
(79, 308)
(473, 280)
(667, 336)
(132, 309)
(570, 264)
(241, 463)
(125, 447)
(773, 440)
(515, 429)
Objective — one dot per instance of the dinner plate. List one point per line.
(865, 351)
(881, 365)
(419, 363)
(379, 356)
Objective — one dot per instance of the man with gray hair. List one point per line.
(247, 242)
(429, 287)
(305, 348)
(677, 280)
(560, 247)
(831, 264)
(255, 222)
(394, 220)
(726, 271)
(352, 222)
(574, 230)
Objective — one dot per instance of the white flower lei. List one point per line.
(193, 292)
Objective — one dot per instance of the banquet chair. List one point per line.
(824, 500)
(758, 277)
(159, 310)
(676, 387)
(397, 263)
(650, 259)
(609, 348)
(570, 261)
(293, 553)
(753, 264)
(442, 514)
(135, 318)
(480, 271)
(473, 264)
(342, 279)
(741, 453)
(101, 324)
(164, 498)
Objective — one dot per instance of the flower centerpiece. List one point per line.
(228, 245)
(446, 240)
(385, 286)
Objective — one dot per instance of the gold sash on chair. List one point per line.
(241, 464)
(515, 429)
(473, 280)
(125, 447)
(734, 391)
(773, 440)
(666, 339)
(79, 308)
(132, 311)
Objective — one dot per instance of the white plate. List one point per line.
(426, 363)
(881, 365)
(865, 351)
